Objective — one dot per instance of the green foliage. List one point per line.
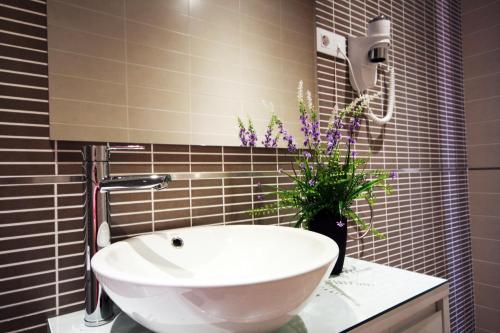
(329, 175)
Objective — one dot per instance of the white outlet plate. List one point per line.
(329, 42)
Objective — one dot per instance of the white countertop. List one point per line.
(363, 291)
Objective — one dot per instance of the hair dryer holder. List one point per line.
(363, 72)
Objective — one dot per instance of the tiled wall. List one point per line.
(175, 72)
(426, 220)
(481, 43)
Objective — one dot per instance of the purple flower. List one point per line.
(287, 138)
(353, 126)
(394, 174)
(306, 128)
(315, 133)
(307, 154)
(248, 137)
(243, 137)
(354, 153)
(340, 224)
(312, 182)
(333, 135)
(260, 197)
(252, 139)
(302, 165)
(258, 185)
(281, 129)
(267, 141)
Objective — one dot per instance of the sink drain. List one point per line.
(177, 242)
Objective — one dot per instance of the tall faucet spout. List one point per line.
(125, 183)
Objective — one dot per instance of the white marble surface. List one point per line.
(362, 291)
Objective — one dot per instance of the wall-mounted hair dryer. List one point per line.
(365, 55)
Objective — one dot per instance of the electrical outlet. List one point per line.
(329, 43)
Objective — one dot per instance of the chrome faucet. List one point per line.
(97, 218)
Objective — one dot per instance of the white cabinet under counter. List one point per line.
(366, 297)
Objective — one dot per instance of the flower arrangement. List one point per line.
(328, 176)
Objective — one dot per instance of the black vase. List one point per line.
(334, 226)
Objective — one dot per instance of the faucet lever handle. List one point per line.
(125, 148)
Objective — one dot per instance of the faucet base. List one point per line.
(99, 322)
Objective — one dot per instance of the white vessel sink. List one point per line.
(222, 279)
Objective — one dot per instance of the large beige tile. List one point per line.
(169, 14)
(63, 15)
(213, 124)
(260, 93)
(291, 80)
(486, 132)
(88, 133)
(486, 272)
(141, 97)
(485, 204)
(166, 121)
(482, 110)
(153, 57)
(86, 90)
(215, 51)
(487, 295)
(486, 250)
(215, 69)
(214, 87)
(257, 43)
(305, 57)
(481, 41)
(157, 78)
(302, 40)
(482, 64)
(483, 156)
(484, 181)
(298, 9)
(86, 67)
(112, 7)
(485, 227)
(298, 24)
(261, 28)
(265, 10)
(87, 113)
(233, 5)
(155, 37)
(469, 5)
(262, 78)
(257, 109)
(482, 87)
(214, 105)
(206, 30)
(487, 319)
(213, 13)
(260, 61)
(85, 43)
(150, 136)
(214, 139)
(481, 18)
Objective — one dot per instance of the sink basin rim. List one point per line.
(102, 269)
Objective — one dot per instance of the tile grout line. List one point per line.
(223, 189)
(153, 219)
(56, 229)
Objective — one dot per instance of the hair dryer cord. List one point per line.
(390, 99)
